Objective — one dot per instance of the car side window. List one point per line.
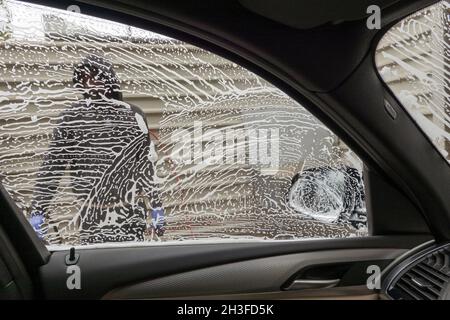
(110, 133)
(413, 60)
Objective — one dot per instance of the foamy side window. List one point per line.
(114, 134)
(413, 60)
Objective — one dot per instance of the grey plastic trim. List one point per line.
(258, 275)
(336, 293)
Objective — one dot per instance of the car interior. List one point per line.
(387, 239)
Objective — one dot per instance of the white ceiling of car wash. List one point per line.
(306, 14)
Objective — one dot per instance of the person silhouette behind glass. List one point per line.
(103, 144)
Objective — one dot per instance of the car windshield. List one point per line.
(413, 60)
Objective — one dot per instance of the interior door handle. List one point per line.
(299, 284)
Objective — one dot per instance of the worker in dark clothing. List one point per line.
(103, 143)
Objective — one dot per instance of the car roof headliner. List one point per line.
(307, 14)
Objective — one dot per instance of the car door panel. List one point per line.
(246, 277)
(106, 269)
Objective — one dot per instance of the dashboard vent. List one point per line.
(426, 279)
